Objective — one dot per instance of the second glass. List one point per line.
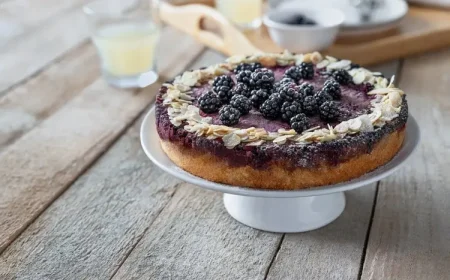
(126, 38)
(246, 14)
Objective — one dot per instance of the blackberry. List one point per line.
(322, 97)
(294, 73)
(222, 85)
(306, 89)
(270, 109)
(247, 66)
(288, 92)
(354, 65)
(262, 78)
(244, 77)
(367, 87)
(285, 80)
(310, 106)
(306, 70)
(229, 115)
(241, 89)
(209, 102)
(276, 97)
(241, 103)
(342, 76)
(329, 111)
(299, 123)
(290, 109)
(258, 97)
(332, 88)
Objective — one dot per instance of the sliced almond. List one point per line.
(341, 64)
(366, 123)
(324, 63)
(231, 140)
(354, 124)
(359, 77)
(256, 143)
(342, 128)
(280, 140)
(395, 98)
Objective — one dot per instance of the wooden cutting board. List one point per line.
(423, 29)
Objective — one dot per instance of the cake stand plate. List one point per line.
(279, 211)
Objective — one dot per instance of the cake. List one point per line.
(281, 121)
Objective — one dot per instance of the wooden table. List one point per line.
(80, 200)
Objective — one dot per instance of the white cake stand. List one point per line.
(279, 211)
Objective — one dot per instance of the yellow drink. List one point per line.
(127, 49)
(241, 12)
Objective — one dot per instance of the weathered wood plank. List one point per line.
(121, 195)
(24, 16)
(54, 39)
(410, 237)
(41, 164)
(333, 252)
(90, 229)
(195, 238)
(28, 104)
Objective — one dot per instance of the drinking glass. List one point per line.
(246, 14)
(125, 34)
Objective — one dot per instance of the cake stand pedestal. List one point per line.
(297, 214)
(280, 211)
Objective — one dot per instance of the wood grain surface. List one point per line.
(39, 97)
(50, 41)
(195, 238)
(410, 237)
(42, 164)
(19, 17)
(91, 228)
(422, 30)
(80, 200)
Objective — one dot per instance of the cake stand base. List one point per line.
(295, 214)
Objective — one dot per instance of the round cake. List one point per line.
(281, 121)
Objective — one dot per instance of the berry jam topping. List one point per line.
(242, 103)
(268, 94)
(229, 115)
(222, 86)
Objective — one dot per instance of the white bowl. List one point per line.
(304, 38)
(386, 17)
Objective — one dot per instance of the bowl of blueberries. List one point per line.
(304, 28)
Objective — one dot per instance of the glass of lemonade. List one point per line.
(246, 14)
(125, 34)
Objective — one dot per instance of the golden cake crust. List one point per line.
(277, 176)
